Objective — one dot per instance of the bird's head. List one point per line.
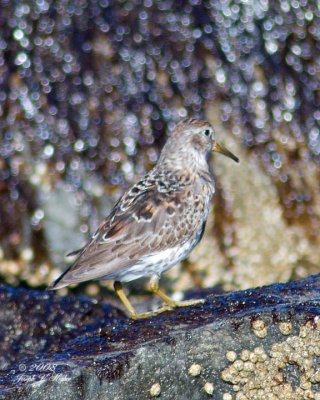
(194, 140)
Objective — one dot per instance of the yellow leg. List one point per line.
(122, 296)
(154, 286)
(132, 312)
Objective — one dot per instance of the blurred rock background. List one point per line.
(90, 89)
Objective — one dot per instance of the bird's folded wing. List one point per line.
(138, 226)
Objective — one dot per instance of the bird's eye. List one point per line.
(207, 132)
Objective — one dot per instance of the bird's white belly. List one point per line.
(157, 263)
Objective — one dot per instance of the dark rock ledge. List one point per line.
(260, 343)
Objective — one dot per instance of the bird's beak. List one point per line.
(220, 149)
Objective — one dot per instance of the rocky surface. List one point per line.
(254, 344)
(89, 91)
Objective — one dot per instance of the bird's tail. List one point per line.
(58, 284)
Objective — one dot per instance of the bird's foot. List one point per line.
(151, 313)
(185, 303)
(174, 303)
(168, 301)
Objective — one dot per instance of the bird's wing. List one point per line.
(144, 221)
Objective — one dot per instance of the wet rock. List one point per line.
(242, 345)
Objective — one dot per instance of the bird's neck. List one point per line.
(192, 164)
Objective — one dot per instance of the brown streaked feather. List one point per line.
(140, 224)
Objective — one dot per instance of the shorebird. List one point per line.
(157, 222)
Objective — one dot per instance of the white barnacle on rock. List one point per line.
(208, 388)
(258, 324)
(285, 328)
(231, 356)
(155, 390)
(245, 355)
(238, 365)
(259, 328)
(195, 370)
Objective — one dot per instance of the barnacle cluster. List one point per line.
(260, 373)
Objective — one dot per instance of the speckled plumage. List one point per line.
(159, 220)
